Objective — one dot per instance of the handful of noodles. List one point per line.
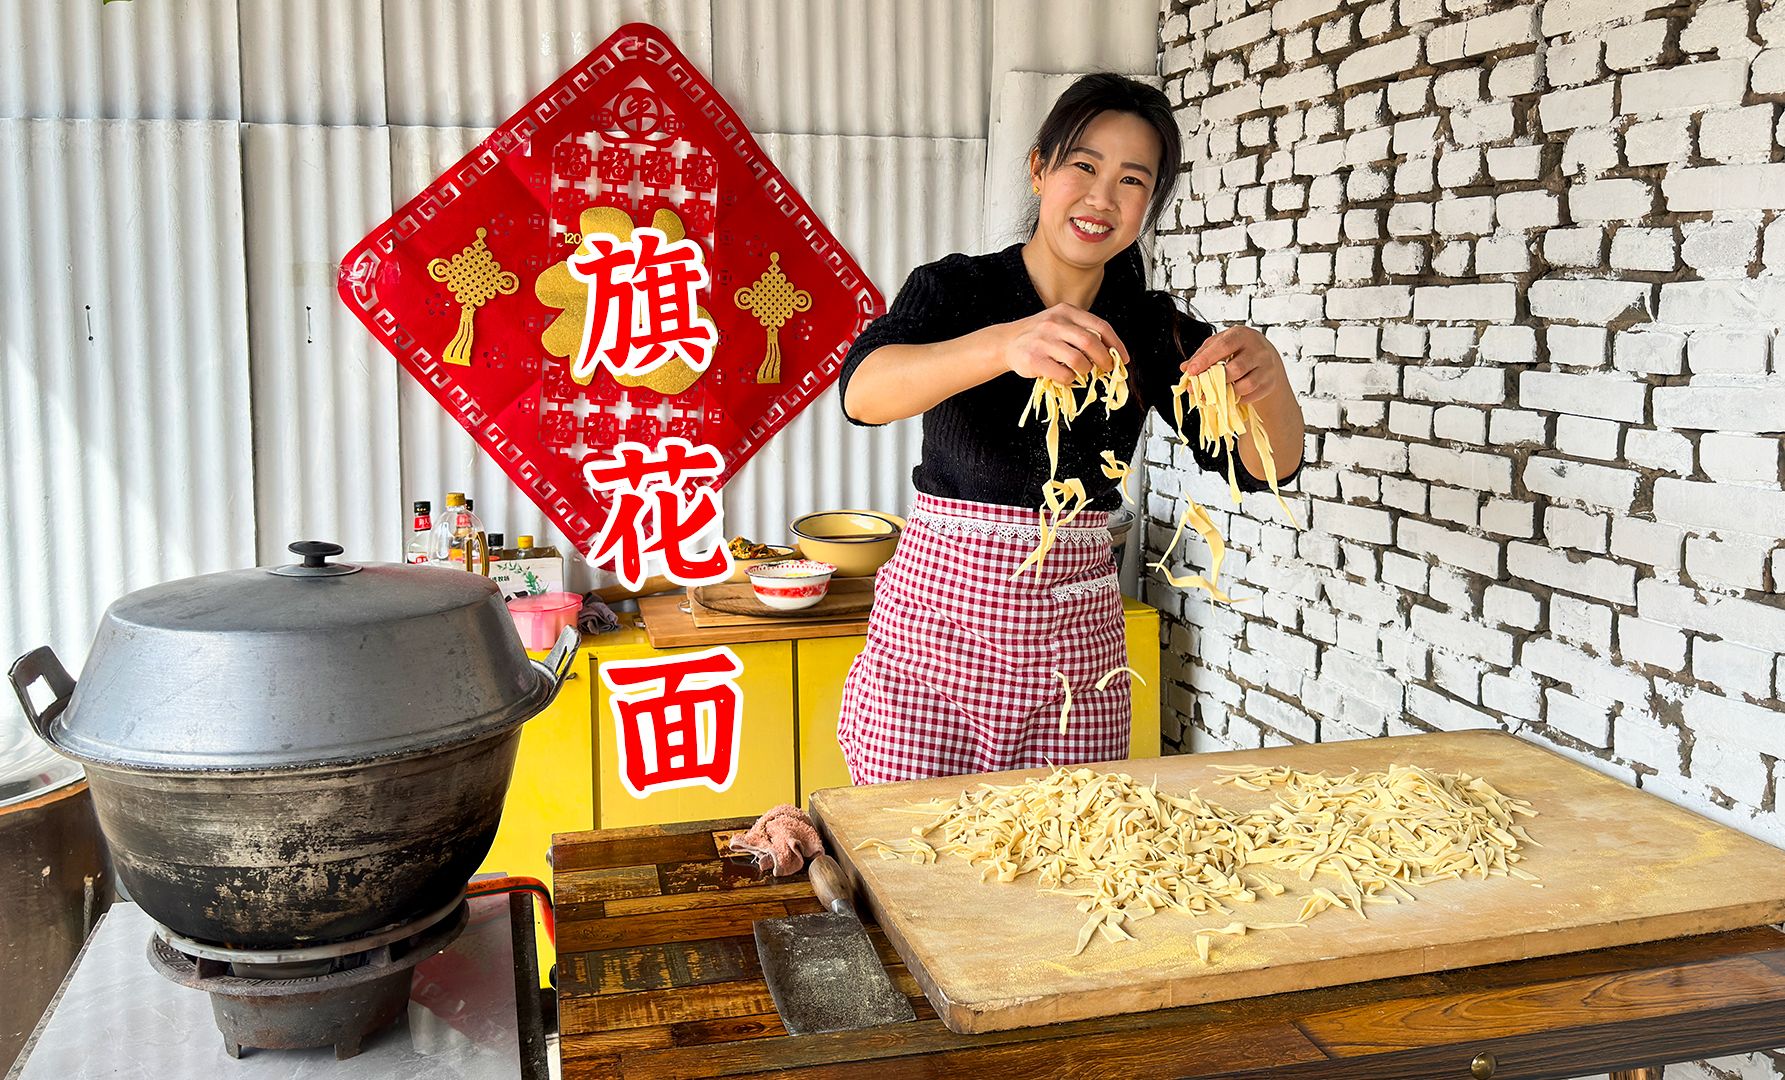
(1222, 417)
(1061, 404)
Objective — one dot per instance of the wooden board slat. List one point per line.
(1617, 866)
(669, 627)
(735, 870)
(645, 1008)
(1570, 1046)
(593, 935)
(636, 851)
(608, 883)
(1416, 1022)
(930, 1050)
(706, 899)
(659, 967)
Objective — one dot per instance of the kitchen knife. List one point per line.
(822, 969)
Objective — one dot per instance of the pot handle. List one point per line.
(557, 663)
(41, 663)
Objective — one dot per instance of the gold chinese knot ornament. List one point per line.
(474, 279)
(773, 300)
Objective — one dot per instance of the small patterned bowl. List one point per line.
(792, 585)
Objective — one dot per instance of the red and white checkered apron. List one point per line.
(958, 673)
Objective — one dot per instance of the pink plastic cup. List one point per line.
(540, 619)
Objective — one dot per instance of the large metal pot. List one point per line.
(301, 754)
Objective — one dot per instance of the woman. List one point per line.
(967, 662)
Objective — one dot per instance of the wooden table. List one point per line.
(658, 977)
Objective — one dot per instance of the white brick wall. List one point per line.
(1527, 262)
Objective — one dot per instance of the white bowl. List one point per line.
(792, 585)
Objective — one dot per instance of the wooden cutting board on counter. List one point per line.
(1617, 866)
(667, 626)
(734, 603)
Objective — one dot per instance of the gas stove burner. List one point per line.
(324, 995)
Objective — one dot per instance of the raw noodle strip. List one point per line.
(1062, 501)
(1113, 672)
(1197, 518)
(1117, 470)
(1262, 440)
(1061, 407)
(1222, 419)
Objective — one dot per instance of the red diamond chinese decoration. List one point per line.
(474, 284)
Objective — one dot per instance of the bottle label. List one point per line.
(422, 523)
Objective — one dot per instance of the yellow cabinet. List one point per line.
(567, 772)
(766, 751)
(553, 789)
(823, 663)
(1143, 656)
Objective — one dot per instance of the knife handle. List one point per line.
(828, 882)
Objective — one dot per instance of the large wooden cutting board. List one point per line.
(667, 626)
(1617, 866)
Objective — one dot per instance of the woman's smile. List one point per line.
(1092, 230)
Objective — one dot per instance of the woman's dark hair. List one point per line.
(1103, 92)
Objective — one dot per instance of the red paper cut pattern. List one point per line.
(630, 142)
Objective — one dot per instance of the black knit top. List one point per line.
(972, 446)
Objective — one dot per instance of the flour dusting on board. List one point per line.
(1128, 851)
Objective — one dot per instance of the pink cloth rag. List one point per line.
(781, 840)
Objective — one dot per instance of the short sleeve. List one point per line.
(1179, 336)
(925, 311)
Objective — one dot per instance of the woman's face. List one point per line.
(1093, 202)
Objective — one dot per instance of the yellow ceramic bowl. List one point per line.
(856, 542)
(740, 568)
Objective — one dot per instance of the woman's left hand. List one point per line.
(1254, 367)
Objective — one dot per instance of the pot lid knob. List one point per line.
(316, 555)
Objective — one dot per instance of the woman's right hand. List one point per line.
(1060, 343)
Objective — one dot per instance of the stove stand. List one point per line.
(333, 995)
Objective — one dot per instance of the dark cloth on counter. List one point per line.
(596, 617)
(972, 446)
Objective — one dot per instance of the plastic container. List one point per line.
(540, 619)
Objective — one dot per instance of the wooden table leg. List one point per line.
(1653, 1072)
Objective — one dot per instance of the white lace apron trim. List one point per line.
(1090, 587)
(950, 525)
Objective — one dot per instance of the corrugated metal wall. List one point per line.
(325, 393)
(895, 203)
(868, 67)
(182, 391)
(127, 456)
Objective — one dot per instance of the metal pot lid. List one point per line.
(28, 768)
(310, 664)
